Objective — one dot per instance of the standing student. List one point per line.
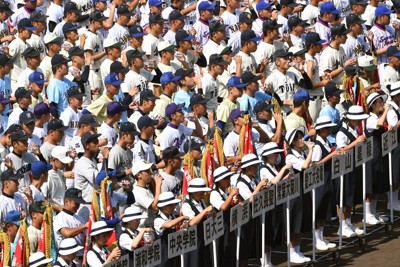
(377, 168)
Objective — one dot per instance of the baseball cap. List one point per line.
(236, 81)
(248, 77)
(41, 109)
(146, 121)
(56, 125)
(295, 21)
(360, 2)
(270, 24)
(332, 89)
(58, 59)
(297, 50)
(176, 15)
(314, 38)
(172, 152)
(236, 113)
(21, 92)
(19, 135)
(353, 19)
(13, 128)
(192, 144)
(261, 5)
(75, 51)
(97, 1)
(136, 31)
(183, 73)
(39, 167)
(216, 59)
(71, 7)
(217, 25)
(134, 53)
(290, 3)
(367, 63)
(115, 108)
(97, 15)
(124, 10)
(69, 26)
(155, 3)
(10, 175)
(205, 5)
(245, 17)
(396, 3)
(112, 79)
(37, 77)
(148, 95)
(173, 108)
(103, 174)
(382, 10)
(168, 77)
(13, 217)
(165, 46)
(6, 60)
(249, 35)
(302, 95)
(75, 92)
(281, 53)
(197, 99)
(156, 18)
(328, 7)
(339, 30)
(5, 6)
(182, 35)
(261, 106)
(89, 137)
(26, 23)
(4, 100)
(26, 117)
(75, 194)
(37, 206)
(38, 16)
(139, 166)
(52, 38)
(89, 119)
(30, 52)
(393, 51)
(112, 42)
(224, 50)
(61, 153)
(350, 70)
(128, 127)
(117, 67)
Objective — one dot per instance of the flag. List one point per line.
(245, 138)
(46, 243)
(207, 165)
(22, 250)
(188, 172)
(93, 217)
(106, 211)
(218, 144)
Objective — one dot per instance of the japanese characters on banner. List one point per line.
(240, 214)
(342, 164)
(389, 141)
(182, 242)
(263, 201)
(123, 261)
(213, 228)
(363, 152)
(313, 177)
(257, 207)
(148, 255)
(288, 189)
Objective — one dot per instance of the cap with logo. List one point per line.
(5, 6)
(176, 15)
(281, 53)
(367, 63)
(26, 117)
(197, 99)
(236, 81)
(182, 35)
(52, 38)
(172, 152)
(58, 59)
(314, 38)
(26, 23)
(216, 59)
(270, 24)
(69, 26)
(13, 128)
(115, 108)
(117, 67)
(156, 18)
(136, 31)
(146, 121)
(124, 10)
(97, 16)
(262, 106)
(37, 77)
(332, 89)
(354, 19)
(173, 108)
(245, 17)
(56, 125)
(328, 7)
(217, 25)
(39, 167)
(249, 35)
(62, 154)
(18, 136)
(148, 95)
(6, 59)
(10, 175)
(236, 113)
(38, 16)
(75, 194)
(296, 21)
(112, 79)
(41, 109)
(21, 92)
(168, 77)
(382, 10)
(205, 5)
(75, 92)
(37, 206)
(128, 127)
(112, 42)
(89, 119)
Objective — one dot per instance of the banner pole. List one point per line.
(214, 243)
(288, 230)
(341, 213)
(264, 256)
(364, 198)
(391, 186)
(238, 246)
(313, 224)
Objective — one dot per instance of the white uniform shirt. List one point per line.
(172, 183)
(92, 258)
(231, 144)
(392, 117)
(139, 80)
(341, 139)
(244, 190)
(317, 151)
(190, 17)
(315, 75)
(105, 70)
(202, 31)
(218, 199)
(55, 13)
(284, 21)
(383, 37)
(58, 29)
(310, 13)
(94, 43)
(37, 42)
(19, 14)
(16, 48)
(324, 30)
(158, 223)
(8, 204)
(210, 90)
(143, 199)
(296, 159)
(267, 174)
(187, 210)
(21, 165)
(85, 177)
(65, 220)
(45, 66)
(344, 7)
(248, 64)
(37, 195)
(151, 45)
(54, 188)
(14, 116)
(265, 50)
(369, 15)
(108, 133)
(354, 45)
(144, 151)
(125, 241)
(232, 20)
(121, 33)
(70, 118)
(257, 26)
(174, 135)
(332, 59)
(390, 76)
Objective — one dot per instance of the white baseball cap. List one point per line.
(356, 113)
(167, 198)
(52, 38)
(198, 185)
(165, 45)
(139, 166)
(112, 42)
(297, 50)
(61, 153)
(367, 63)
(249, 160)
(68, 246)
(133, 213)
(323, 122)
(37, 259)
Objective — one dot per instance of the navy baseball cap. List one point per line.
(270, 24)
(112, 79)
(236, 113)
(128, 127)
(41, 109)
(193, 144)
(263, 5)
(328, 7)
(97, 15)
(89, 119)
(261, 106)
(176, 15)
(37, 77)
(354, 19)
(332, 89)
(26, 117)
(117, 67)
(56, 125)
(382, 10)
(38, 16)
(393, 51)
(102, 175)
(10, 175)
(21, 92)
(30, 52)
(314, 38)
(71, 7)
(289, 3)
(173, 108)
(339, 30)
(69, 26)
(362, 2)
(169, 77)
(7, 60)
(302, 95)
(26, 23)
(249, 77)
(184, 73)
(115, 108)
(182, 35)
(197, 99)
(281, 53)
(296, 21)
(19, 135)
(89, 137)
(146, 121)
(75, 194)
(75, 92)
(4, 100)
(76, 51)
(5, 6)
(136, 31)
(217, 25)
(148, 95)
(39, 167)
(217, 59)
(156, 18)
(124, 10)
(58, 59)
(245, 17)
(249, 35)
(13, 217)
(236, 81)
(134, 53)
(155, 3)
(205, 5)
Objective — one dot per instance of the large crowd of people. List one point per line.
(122, 122)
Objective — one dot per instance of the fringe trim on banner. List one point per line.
(6, 249)
(219, 156)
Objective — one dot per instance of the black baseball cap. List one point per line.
(182, 35)
(192, 144)
(146, 121)
(89, 137)
(262, 106)
(26, 117)
(71, 7)
(176, 15)
(354, 19)
(10, 175)
(350, 70)
(97, 16)
(197, 99)
(30, 52)
(270, 24)
(148, 95)
(21, 92)
(75, 92)
(56, 125)
(134, 53)
(117, 67)
(216, 59)
(26, 23)
(37, 206)
(128, 127)
(38, 16)
(245, 17)
(393, 51)
(295, 21)
(363, 2)
(58, 59)
(124, 10)
(314, 38)
(156, 18)
(172, 152)
(290, 3)
(136, 31)
(7, 60)
(5, 6)
(249, 35)
(75, 51)
(183, 73)
(75, 194)
(89, 119)
(217, 25)
(13, 128)
(332, 89)
(69, 26)
(249, 77)
(339, 30)
(19, 135)
(281, 53)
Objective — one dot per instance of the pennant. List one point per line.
(245, 138)
(21, 250)
(208, 165)
(188, 172)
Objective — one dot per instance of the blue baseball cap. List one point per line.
(249, 35)
(205, 5)
(382, 10)
(136, 31)
(328, 7)
(37, 77)
(155, 3)
(302, 95)
(182, 35)
(102, 175)
(97, 1)
(13, 217)
(112, 78)
(263, 5)
(26, 23)
(236, 81)
(236, 113)
(169, 77)
(115, 108)
(41, 109)
(393, 51)
(39, 167)
(172, 108)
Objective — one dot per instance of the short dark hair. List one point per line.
(297, 103)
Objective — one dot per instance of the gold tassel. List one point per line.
(7, 248)
(24, 234)
(220, 146)
(96, 206)
(103, 192)
(48, 229)
(277, 108)
(346, 93)
(242, 135)
(188, 161)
